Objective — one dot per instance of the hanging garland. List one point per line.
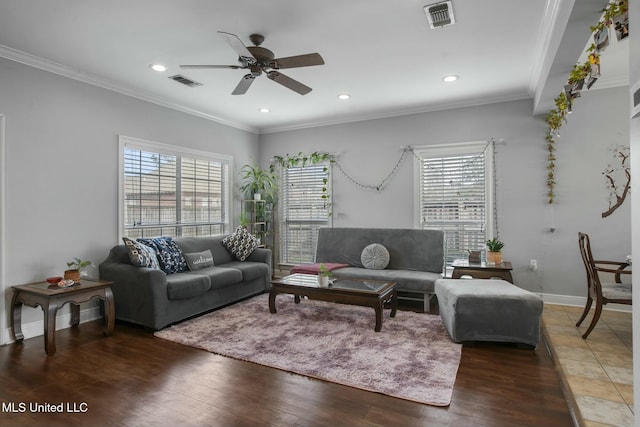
(616, 13)
(383, 183)
(302, 160)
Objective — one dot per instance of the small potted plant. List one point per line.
(74, 268)
(494, 254)
(323, 276)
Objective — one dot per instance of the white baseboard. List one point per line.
(579, 302)
(63, 321)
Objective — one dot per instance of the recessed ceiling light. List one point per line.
(344, 96)
(158, 67)
(264, 110)
(449, 79)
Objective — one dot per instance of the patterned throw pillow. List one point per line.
(375, 257)
(198, 260)
(169, 254)
(241, 243)
(141, 255)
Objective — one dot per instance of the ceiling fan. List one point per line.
(258, 59)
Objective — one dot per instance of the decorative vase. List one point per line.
(323, 281)
(72, 275)
(257, 196)
(494, 258)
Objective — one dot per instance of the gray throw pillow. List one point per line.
(198, 260)
(375, 257)
(141, 255)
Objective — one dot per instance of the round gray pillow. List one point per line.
(375, 257)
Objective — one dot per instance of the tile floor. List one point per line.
(598, 371)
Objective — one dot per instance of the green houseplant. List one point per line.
(74, 268)
(257, 181)
(494, 253)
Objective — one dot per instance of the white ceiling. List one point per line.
(382, 52)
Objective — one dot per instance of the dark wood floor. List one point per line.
(135, 379)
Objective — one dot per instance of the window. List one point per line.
(456, 195)
(304, 208)
(171, 191)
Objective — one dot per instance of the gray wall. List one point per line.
(634, 76)
(368, 151)
(61, 184)
(62, 163)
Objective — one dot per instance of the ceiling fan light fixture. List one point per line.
(450, 79)
(344, 96)
(158, 67)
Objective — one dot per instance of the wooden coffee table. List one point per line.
(482, 270)
(368, 293)
(51, 298)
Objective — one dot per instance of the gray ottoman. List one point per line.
(489, 310)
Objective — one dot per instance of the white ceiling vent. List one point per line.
(440, 14)
(185, 81)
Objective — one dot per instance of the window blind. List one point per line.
(455, 196)
(173, 194)
(304, 209)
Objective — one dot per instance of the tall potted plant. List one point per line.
(494, 253)
(257, 183)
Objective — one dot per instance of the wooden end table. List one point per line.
(51, 298)
(482, 270)
(367, 293)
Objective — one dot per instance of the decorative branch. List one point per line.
(622, 153)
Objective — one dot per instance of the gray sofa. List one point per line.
(416, 257)
(154, 299)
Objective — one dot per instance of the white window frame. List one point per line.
(283, 219)
(152, 146)
(442, 150)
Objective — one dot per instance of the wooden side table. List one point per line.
(482, 270)
(51, 298)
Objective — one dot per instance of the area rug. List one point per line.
(412, 357)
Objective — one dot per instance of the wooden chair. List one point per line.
(601, 293)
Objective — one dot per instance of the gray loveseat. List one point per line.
(416, 257)
(154, 299)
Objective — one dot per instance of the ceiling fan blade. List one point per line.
(299, 61)
(244, 84)
(196, 67)
(237, 45)
(288, 82)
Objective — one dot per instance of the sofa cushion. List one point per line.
(169, 254)
(140, 255)
(220, 276)
(406, 280)
(241, 243)
(375, 256)
(198, 244)
(409, 249)
(198, 260)
(184, 285)
(250, 270)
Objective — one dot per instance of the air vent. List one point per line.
(185, 81)
(440, 14)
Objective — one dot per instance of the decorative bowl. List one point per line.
(54, 279)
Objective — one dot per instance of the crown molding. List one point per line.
(94, 80)
(397, 113)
